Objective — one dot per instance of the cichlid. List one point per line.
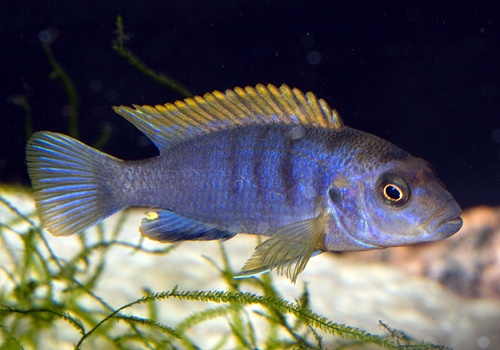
(264, 160)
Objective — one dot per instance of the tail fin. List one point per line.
(71, 183)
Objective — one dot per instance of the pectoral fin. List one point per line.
(167, 226)
(288, 251)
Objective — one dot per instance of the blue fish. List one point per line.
(265, 160)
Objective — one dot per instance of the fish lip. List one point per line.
(449, 227)
(447, 221)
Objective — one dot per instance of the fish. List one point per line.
(264, 160)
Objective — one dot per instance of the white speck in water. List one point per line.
(483, 342)
(95, 85)
(495, 135)
(313, 57)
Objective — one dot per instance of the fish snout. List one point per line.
(446, 221)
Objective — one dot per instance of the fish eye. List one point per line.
(392, 190)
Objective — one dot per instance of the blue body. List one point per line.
(251, 180)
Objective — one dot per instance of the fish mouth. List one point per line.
(446, 221)
(449, 227)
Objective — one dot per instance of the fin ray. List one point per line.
(166, 226)
(172, 123)
(67, 183)
(288, 251)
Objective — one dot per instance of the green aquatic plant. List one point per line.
(45, 294)
(44, 288)
(119, 47)
(59, 73)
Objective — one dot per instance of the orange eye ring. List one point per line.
(393, 193)
(392, 190)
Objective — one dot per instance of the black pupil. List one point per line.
(392, 192)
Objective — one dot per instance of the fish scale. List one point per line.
(261, 160)
(252, 172)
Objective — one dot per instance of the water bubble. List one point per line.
(483, 342)
(313, 57)
(46, 37)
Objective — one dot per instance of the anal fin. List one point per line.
(288, 251)
(166, 226)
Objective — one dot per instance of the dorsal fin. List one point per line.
(171, 123)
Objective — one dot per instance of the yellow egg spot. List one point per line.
(152, 215)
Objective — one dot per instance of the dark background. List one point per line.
(424, 76)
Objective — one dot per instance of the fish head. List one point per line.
(397, 203)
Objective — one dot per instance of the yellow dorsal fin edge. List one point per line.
(174, 122)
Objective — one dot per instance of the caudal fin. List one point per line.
(71, 183)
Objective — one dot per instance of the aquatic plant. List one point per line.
(119, 47)
(59, 73)
(44, 291)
